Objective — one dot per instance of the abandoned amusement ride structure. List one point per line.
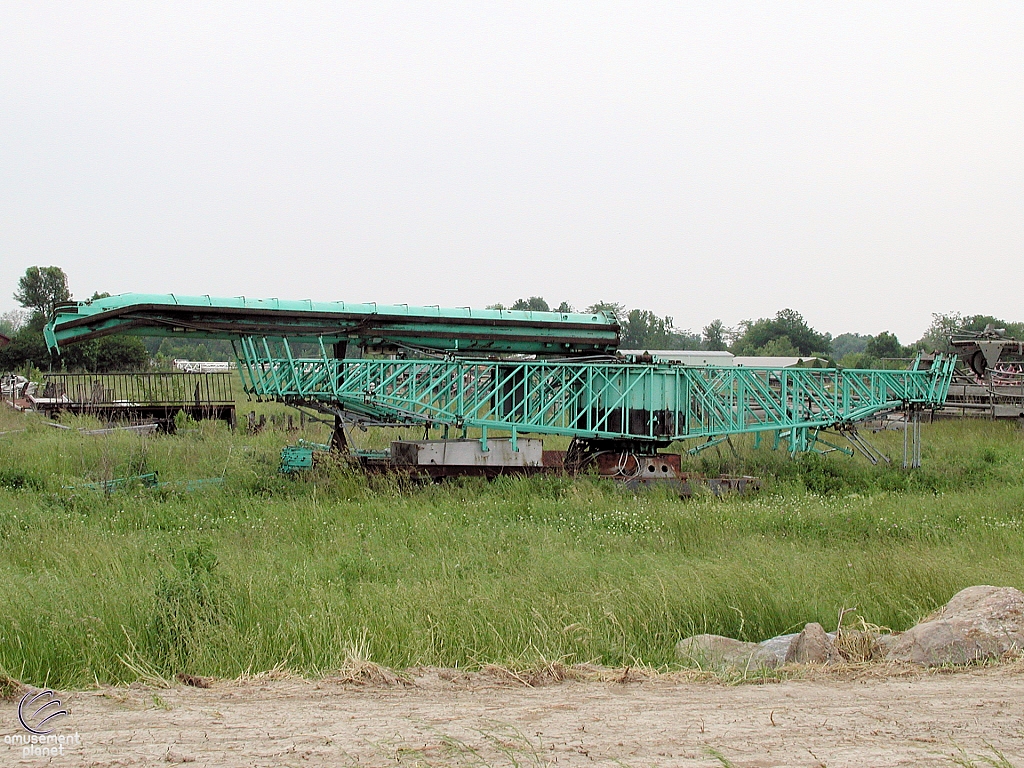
(482, 380)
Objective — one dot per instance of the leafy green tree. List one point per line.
(41, 289)
(849, 343)
(756, 335)
(642, 329)
(119, 354)
(714, 336)
(884, 345)
(12, 322)
(685, 340)
(26, 348)
(943, 325)
(532, 304)
(200, 350)
(779, 347)
(857, 360)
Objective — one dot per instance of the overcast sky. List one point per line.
(862, 163)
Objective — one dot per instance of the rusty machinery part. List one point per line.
(637, 466)
(983, 352)
(623, 459)
(579, 455)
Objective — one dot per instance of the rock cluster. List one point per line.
(978, 623)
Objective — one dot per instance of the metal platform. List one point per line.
(970, 399)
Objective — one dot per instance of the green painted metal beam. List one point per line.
(453, 331)
(658, 403)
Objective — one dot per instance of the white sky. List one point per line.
(860, 162)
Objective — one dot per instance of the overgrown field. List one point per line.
(265, 571)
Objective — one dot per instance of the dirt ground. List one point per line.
(861, 719)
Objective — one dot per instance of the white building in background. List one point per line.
(699, 357)
(778, 362)
(191, 366)
(684, 356)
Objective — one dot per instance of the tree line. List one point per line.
(40, 290)
(787, 334)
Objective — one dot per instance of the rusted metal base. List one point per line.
(436, 460)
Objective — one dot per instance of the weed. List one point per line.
(717, 755)
(996, 759)
(358, 668)
(498, 746)
(16, 480)
(10, 689)
(188, 605)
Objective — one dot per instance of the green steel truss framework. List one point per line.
(655, 403)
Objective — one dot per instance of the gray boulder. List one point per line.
(719, 651)
(884, 644)
(778, 647)
(977, 623)
(812, 646)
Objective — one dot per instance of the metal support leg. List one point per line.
(911, 438)
(866, 449)
(339, 440)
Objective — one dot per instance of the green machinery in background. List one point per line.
(513, 373)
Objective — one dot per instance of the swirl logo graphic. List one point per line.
(37, 710)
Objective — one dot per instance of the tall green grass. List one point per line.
(267, 571)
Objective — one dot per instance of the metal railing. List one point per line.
(140, 389)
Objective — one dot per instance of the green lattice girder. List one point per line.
(657, 402)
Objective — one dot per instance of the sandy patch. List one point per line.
(440, 717)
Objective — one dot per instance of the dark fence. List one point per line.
(139, 395)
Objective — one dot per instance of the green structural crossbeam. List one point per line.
(454, 331)
(660, 403)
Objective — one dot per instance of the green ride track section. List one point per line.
(453, 331)
(653, 403)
